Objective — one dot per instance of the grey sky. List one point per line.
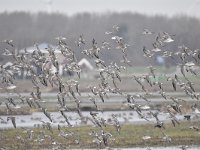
(70, 7)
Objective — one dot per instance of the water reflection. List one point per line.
(35, 118)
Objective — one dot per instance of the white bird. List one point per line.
(7, 52)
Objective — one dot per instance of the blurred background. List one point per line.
(40, 21)
(161, 86)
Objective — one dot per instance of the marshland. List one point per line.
(91, 80)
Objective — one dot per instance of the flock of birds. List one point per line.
(109, 81)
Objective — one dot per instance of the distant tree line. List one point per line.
(26, 29)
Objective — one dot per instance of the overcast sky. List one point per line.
(70, 7)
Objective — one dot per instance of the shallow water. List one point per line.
(36, 118)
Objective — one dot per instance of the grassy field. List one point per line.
(129, 136)
(131, 85)
(127, 79)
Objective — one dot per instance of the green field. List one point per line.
(129, 136)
